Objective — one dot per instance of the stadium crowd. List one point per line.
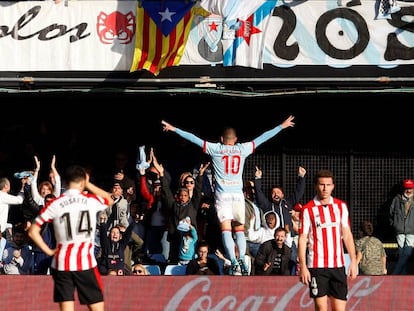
(154, 222)
(157, 218)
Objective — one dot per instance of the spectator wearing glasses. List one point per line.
(139, 269)
(188, 180)
(179, 207)
(189, 183)
(206, 211)
(183, 176)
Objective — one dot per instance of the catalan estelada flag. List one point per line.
(162, 31)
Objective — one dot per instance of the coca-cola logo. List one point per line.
(198, 294)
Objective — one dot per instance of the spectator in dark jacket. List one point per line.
(402, 221)
(30, 209)
(280, 203)
(112, 258)
(203, 265)
(274, 256)
(179, 206)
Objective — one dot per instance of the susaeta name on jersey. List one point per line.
(73, 200)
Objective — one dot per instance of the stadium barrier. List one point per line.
(216, 293)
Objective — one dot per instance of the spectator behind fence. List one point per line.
(155, 212)
(279, 202)
(370, 252)
(252, 211)
(41, 262)
(402, 221)
(265, 232)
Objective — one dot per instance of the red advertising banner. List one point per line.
(212, 293)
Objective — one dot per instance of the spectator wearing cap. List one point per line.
(122, 170)
(295, 212)
(402, 221)
(119, 210)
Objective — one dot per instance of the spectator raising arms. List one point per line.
(53, 185)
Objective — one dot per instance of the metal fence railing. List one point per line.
(366, 181)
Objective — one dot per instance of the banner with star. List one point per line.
(247, 47)
(204, 44)
(161, 34)
(245, 23)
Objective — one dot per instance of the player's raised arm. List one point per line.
(273, 132)
(167, 126)
(288, 122)
(184, 134)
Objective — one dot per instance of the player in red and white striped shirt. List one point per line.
(324, 229)
(74, 265)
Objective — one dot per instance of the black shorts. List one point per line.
(88, 284)
(328, 281)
